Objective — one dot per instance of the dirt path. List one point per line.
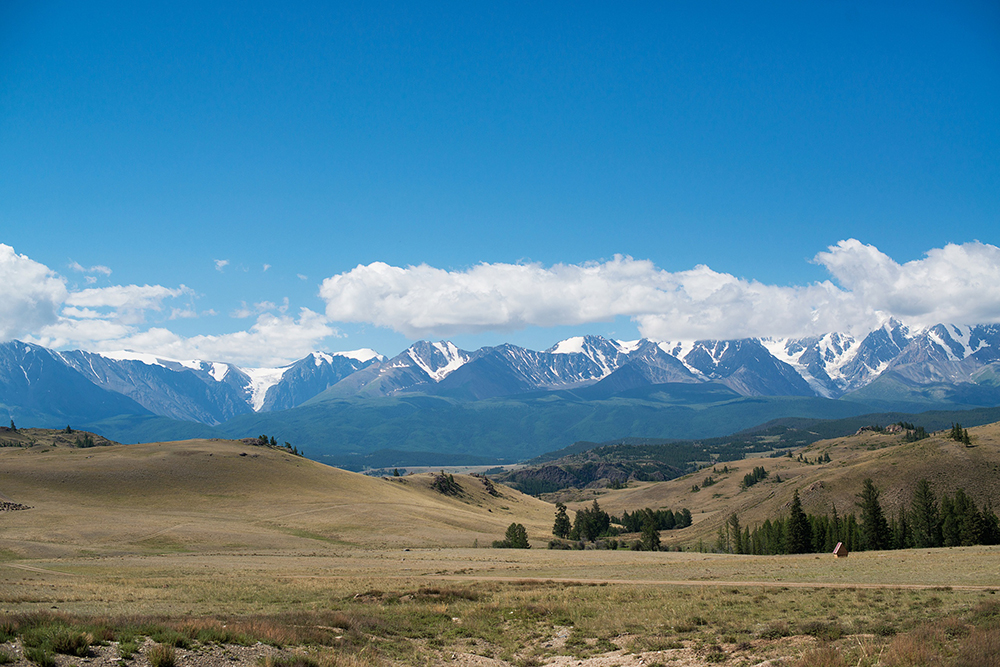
(705, 582)
(39, 569)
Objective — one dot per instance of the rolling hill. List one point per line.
(895, 466)
(217, 495)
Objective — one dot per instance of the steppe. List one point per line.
(230, 553)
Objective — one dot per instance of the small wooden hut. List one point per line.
(840, 551)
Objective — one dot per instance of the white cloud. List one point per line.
(183, 313)
(221, 264)
(79, 268)
(245, 311)
(266, 267)
(271, 341)
(30, 294)
(959, 284)
(129, 302)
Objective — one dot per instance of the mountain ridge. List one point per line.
(586, 382)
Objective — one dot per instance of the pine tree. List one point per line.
(650, 534)
(950, 536)
(798, 539)
(874, 528)
(736, 535)
(925, 523)
(901, 537)
(970, 522)
(516, 537)
(562, 526)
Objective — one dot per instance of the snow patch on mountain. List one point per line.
(573, 345)
(262, 379)
(454, 359)
(628, 346)
(364, 354)
(680, 350)
(219, 371)
(129, 355)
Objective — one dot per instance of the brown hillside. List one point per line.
(202, 495)
(895, 467)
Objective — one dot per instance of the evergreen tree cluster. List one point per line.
(591, 523)
(662, 519)
(265, 441)
(957, 521)
(959, 434)
(516, 537)
(752, 478)
(913, 433)
(446, 484)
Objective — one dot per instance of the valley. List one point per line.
(246, 542)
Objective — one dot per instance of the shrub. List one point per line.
(69, 642)
(822, 657)
(127, 648)
(827, 632)
(40, 655)
(162, 656)
(775, 630)
(981, 648)
(170, 638)
(5, 658)
(289, 661)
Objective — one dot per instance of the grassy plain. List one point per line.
(202, 542)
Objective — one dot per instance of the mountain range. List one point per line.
(130, 396)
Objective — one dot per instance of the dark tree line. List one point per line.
(955, 521)
(661, 519)
(593, 522)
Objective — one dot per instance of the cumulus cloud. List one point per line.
(958, 283)
(30, 294)
(272, 341)
(220, 264)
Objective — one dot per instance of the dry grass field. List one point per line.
(895, 467)
(222, 553)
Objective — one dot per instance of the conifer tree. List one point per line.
(799, 537)
(562, 526)
(650, 534)
(874, 528)
(949, 523)
(516, 537)
(736, 535)
(925, 523)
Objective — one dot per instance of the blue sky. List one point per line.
(515, 150)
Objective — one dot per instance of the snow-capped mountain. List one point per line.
(830, 366)
(188, 390)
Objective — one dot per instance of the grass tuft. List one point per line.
(981, 649)
(162, 655)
